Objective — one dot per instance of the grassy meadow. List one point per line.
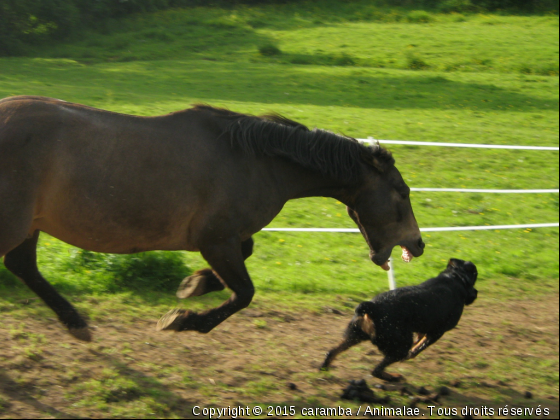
(352, 68)
(486, 79)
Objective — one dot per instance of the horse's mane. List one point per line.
(331, 154)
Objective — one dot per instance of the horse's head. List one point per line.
(381, 208)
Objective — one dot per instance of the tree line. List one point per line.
(24, 22)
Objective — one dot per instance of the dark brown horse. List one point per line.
(202, 179)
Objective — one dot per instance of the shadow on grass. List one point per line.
(434, 404)
(82, 272)
(137, 285)
(199, 80)
(168, 402)
(144, 385)
(16, 392)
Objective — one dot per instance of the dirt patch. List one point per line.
(499, 354)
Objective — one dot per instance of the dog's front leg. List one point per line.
(424, 341)
(417, 347)
(379, 370)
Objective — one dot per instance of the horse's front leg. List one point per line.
(227, 261)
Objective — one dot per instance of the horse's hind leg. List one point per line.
(22, 261)
(226, 258)
(205, 280)
(199, 283)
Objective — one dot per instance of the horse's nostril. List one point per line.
(421, 243)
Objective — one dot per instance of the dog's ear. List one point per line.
(455, 263)
(471, 296)
(465, 270)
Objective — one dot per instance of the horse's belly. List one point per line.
(119, 241)
(122, 231)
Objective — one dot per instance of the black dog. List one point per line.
(428, 309)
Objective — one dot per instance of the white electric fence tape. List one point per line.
(475, 190)
(477, 146)
(432, 229)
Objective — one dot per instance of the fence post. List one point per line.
(391, 275)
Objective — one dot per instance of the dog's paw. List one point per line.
(389, 377)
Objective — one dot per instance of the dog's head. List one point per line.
(466, 272)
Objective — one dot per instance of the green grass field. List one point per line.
(351, 68)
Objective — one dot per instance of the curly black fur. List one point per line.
(429, 309)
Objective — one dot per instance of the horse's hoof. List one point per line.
(82, 334)
(172, 320)
(199, 284)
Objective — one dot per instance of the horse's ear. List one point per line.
(370, 159)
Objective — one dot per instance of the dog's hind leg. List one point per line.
(360, 329)
(343, 346)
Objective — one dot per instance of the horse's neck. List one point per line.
(301, 183)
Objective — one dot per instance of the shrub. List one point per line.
(344, 60)
(550, 69)
(414, 62)
(24, 22)
(302, 59)
(419, 16)
(7, 279)
(156, 270)
(158, 34)
(269, 50)
(527, 5)
(457, 6)
(27, 21)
